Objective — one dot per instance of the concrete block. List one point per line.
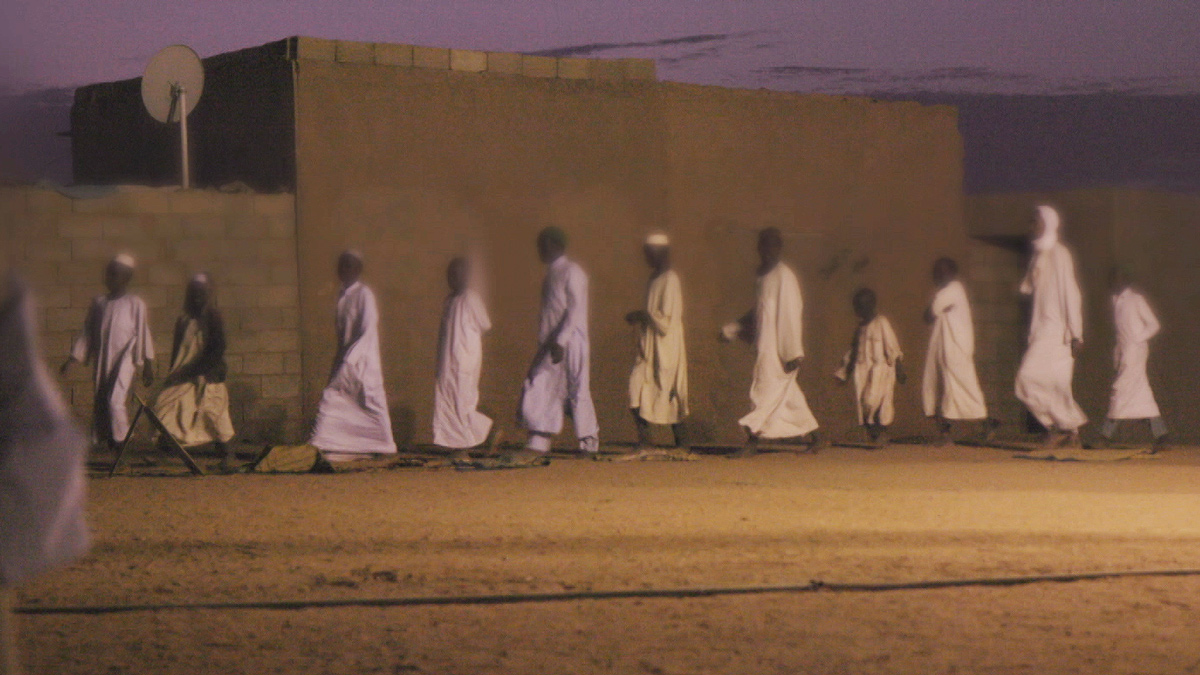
(539, 66)
(62, 319)
(272, 250)
(437, 58)
(171, 274)
(46, 201)
(640, 69)
(203, 227)
(148, 201)
(280, 386)
(316, 49)
(40, 273)
(88, 273)
(504, 63)
(48, 250)
(283, 205)
(270, 341)
(467, 60)
(54, 297)
(97, 251)
(123, 227)
(196, 202)
(347, 51)
(284, 272)
(606, 70)
(110, 203)
(258, 363)
(393, 55)
(244, 275)
(573, 69)
(233, 363)
(247, 226)
(281, 227)
(80, 227)
(293, 364)
(281, 295)
(82, 295)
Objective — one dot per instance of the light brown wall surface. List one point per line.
(413, 165)
(245, 241)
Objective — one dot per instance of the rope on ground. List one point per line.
(525, 598)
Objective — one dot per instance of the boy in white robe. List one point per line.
(950, 389)
(658, 385)
(456, 422)
(116, 340)
(194, 402)
(42, 455)
(352, 418)
(876, 364)
(775, 327)
(559, 376)
(1136, 324)
(1055, 334)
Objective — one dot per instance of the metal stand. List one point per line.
(185, 171)
(176, 448)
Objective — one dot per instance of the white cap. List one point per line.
(125, 260)
(658, 239)
(200, 278)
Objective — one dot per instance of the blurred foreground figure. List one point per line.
(876, 364)
(42, 455)
(194, 402)
(775, 327)
(558, 382)
(116, 340)
(1055, 334)
(456, 422)
(353, 418)
(658, 385)
(950, 390)
(1132, 398)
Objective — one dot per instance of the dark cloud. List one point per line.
(598, 47)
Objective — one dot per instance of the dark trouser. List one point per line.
(643, 430)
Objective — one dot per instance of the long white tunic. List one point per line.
(116, 339)
(1132, 398)
(353, 414)
(550, 388)
(875, 355)
(195, 411)
(658, 385)
(951, 384)
(456, 422)
(779, 407)
(42, 455)
(1044, 378)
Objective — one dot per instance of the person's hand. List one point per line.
(637, 316)
(1076, 347)
(793, 365)
(556, 352)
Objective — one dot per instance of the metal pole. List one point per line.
(183, 139)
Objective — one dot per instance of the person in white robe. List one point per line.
(1043, 381)
(950, 390)
(1132, 397)
(457, 424)
(42, 455)
(658, 384)
(116, 340)
(559, 375)
(353, 418)
(775, 327)
(194, 402)
(875, 363)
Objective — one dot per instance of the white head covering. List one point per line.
(658, 239)
(354, 253)
(200, 278)
(1050, 224)
(125, 260)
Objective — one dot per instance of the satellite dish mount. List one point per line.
(171, 88)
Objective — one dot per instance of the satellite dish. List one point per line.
(171, 88)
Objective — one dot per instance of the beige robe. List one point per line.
(658, 385)
(1132, 398)
(197, 411)
(874, 371)
(456, 421)
(780, 408)
(951, 384)
(116, 340)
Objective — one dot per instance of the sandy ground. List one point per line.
(905, 513)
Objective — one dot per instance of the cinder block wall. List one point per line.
(245, 241)
(993, 277)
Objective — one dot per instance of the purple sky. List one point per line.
(816, 45)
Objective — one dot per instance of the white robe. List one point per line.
(42, 454)
(1044, 378)
(353, 415)
(456, 422)
(196, 411)
(878, 350)
(1132, 398)
(552, 387)
(951, 384)
(116, 339)
(779, 407)
(658, 385)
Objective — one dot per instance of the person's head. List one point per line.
(657, 251)
(770, 246)
(1119, 278)
(945, 270)
(457, 275)
(551, 244)
(119, 273)
(864, 304)
(1044, 230)
(349, 267)
(197, 294)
